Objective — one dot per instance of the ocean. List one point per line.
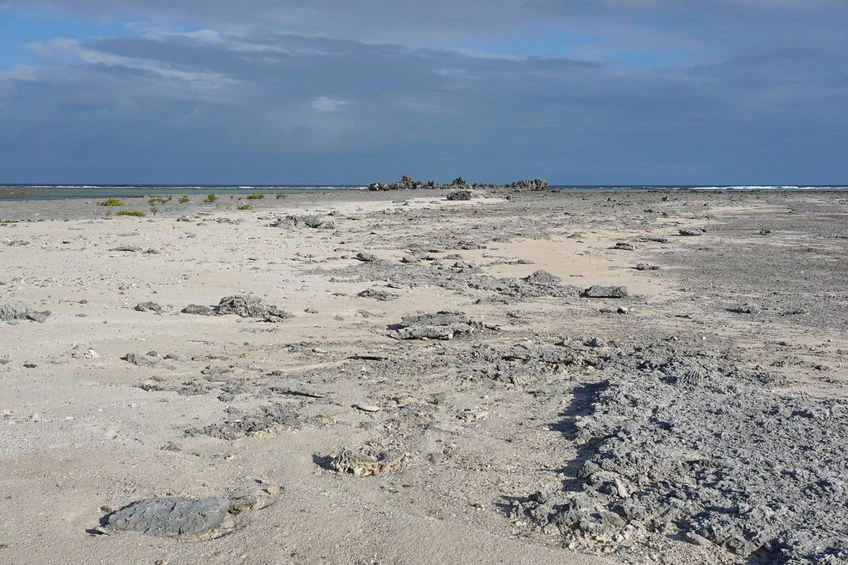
(63, 191)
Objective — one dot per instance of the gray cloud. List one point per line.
(256, 99)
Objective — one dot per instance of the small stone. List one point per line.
(366, 407)
(365, 257)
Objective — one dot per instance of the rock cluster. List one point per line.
(407, 183)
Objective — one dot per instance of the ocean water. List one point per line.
(63, 191)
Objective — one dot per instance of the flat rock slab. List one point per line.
(598, 291)
(441, 325)
(17, 310)
(186, 519)
(251, 306)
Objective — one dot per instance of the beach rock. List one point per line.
(691, 232)
(407, 183)
(244, 305)
(599, 291)
(187, 519)
(459, 195)
(128, 248)
(696, 448)
(747, 308)
(365, 463)
(251, 306)
(314, 222)
(148, 307)
(263, 420)
(17, 310)
(441, 325)
(646, 267)
(537, 284)
(624, 246)
(376, 294)
(365, 257)
(139, 360)
(199, 310)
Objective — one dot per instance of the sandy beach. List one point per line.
(649, 377)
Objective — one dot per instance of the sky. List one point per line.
(341, 92)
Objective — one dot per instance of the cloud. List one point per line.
(274, 92)
(324, 104)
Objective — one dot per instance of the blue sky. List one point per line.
(278, 91)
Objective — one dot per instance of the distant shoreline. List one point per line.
(13, 192)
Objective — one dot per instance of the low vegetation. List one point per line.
(137, 213)
(211, 198)
(256, 196)
(112, 202)
(243, 207)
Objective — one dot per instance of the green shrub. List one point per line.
(281, 195)
(159, 200)
(137, 213)
(256, 196)
(112, 202)
(211, 197)
(243, 207)
(154, 210)
(184, 199)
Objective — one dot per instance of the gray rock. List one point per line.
(187, 519)
(129, 248)
(624, 246)
(599, 291)
(314, 222)
(459, 195)
(748, 308)
(199, 310)
(17, 310)
(441, 325)
(251, 306)
(691, 232)
(365, 257)
(139, 360)
(376, 294)
(148, 307)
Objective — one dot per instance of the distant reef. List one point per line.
(409, 183)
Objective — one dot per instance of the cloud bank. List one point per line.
(626, 91)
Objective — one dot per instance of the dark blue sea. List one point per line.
(62, 191)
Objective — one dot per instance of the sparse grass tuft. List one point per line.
(159, 200)
(243, 207)
(137, 213)
(184, 199)
(281, 195)
(256, 196)
(112, 202)
(211, 197)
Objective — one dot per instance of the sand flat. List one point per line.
(224, 405)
